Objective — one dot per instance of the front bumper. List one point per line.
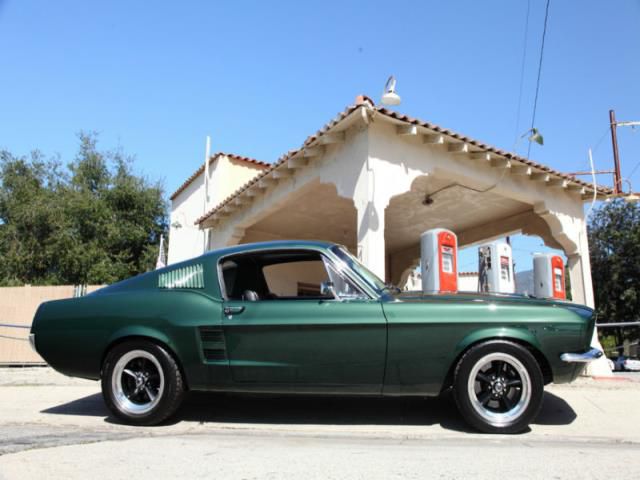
(585, 357)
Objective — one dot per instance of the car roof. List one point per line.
(276, 244)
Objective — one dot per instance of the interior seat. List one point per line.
(250, 296)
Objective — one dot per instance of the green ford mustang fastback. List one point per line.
(308, 318)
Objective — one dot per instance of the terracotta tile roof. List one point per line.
(341, 116)
(212, 158)
(488, 148)
(467, 274)
(365, 102)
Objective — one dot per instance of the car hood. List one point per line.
(494, 298)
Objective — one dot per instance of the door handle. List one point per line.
(233, 310)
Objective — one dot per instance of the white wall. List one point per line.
(467, 283)
(225, 176)
(186, 240)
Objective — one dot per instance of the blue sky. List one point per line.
(156, 77)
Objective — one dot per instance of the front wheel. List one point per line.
(141, 383)
(498, 387)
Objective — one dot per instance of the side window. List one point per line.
(283, 275)
(297, 278)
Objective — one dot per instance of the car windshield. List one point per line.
(352, 262)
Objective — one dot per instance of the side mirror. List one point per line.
(328, 289)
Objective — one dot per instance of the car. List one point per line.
(306, 317)
(623, 364)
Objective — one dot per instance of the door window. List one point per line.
(287, 275)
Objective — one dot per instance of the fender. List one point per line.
(521, 333)
(140, 331)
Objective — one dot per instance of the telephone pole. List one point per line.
(617, 177)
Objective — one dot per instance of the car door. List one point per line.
(283, 332)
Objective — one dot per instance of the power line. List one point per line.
(634, 170)
(535, 101)
(524, 59)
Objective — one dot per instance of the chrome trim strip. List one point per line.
(586, 357)
(32, 341)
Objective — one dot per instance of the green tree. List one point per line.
(94, 221)
(614, 241)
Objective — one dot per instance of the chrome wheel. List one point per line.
(499, 387)
(137, 382)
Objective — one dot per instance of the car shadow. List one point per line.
(219, 408)
(555, 411)
(89, 406)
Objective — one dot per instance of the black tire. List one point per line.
(494, 402)
(141, 383)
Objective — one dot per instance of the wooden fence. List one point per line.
(17, 307)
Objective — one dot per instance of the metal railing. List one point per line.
(13, 325)
(618, 324)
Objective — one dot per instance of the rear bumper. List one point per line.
(585, 357)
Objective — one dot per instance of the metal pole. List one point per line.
(207, 154)
(617, 177)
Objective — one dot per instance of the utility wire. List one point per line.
(524, 60)
(535, 101)
(634, 170)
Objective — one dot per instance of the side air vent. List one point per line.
(213, 346)
(208, 334)
(191, 276)
(214, 355)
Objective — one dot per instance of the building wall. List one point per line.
(186, 240)
(226, 175)
(467, 283)
(18, 305)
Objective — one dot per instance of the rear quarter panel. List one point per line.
(426, 338)
(73, 335)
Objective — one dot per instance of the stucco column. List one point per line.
(570, 232)
(371, 245)
(580, 272)
(579, 265)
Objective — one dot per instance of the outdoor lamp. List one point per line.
(535, 136)
(390, 97)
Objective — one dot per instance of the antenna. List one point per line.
(206, 172)
(206, 189)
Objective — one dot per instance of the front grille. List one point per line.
(213, 345)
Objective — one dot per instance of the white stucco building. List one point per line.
(226, 173)
(374, 180)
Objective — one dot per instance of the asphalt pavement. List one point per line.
(55, 427)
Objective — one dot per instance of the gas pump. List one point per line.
(439, 260)
(495, 268)
(548, 276)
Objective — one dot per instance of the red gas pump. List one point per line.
(439, 260)
(548, 276)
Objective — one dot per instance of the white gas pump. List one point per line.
(548, 276)
(439, 260)
(495, 268)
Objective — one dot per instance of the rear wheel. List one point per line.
(498, 387)
(141, 383)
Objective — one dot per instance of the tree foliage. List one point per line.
(90, 222)
(614, 241)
